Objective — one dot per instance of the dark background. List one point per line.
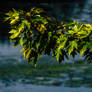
(60, 9)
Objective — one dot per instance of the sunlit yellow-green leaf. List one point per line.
(83, 49)
(37, 45)
(58, 52)
(81, 32)
(28, 14)
(35, 65)
(21, 41)
(72, 45)
(7, 18)
(14, 35)
(75, 28)
(62, 44)
(13, 21)
(87, 25)
(12, 31)
(40, 34)
(21, 27)
(26, 23)
(10, 13)
(28, 53)
(22, 49)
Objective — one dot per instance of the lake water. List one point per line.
(31, 88)
(80, 10)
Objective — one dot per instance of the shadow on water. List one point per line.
(65, 75)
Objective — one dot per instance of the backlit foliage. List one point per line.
(38, 34)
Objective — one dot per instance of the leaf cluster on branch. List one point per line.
(38, 34)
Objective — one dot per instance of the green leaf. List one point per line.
(12, 21)
(12, 31)
(15, 35)
(6, 18)
(63, 42)
(28, 53)
(21, 41)
(89, 44)
(72, 46)
(35, 64)
(21, 27)
(26, 23)
(10, 13)
(83, 49)
(37, 34)
(75, 28)
(39, 19)
(58, 52)
(37, 45)
(49, 34)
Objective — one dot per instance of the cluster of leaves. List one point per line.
(39, 34)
